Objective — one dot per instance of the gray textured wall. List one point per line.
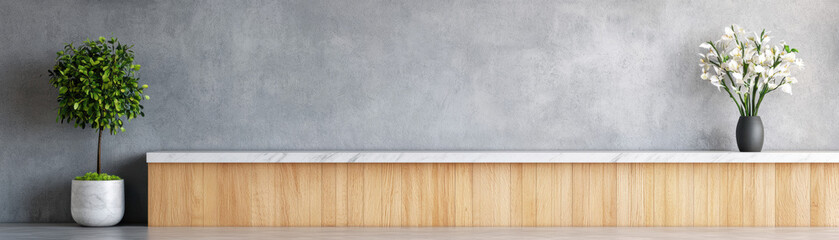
(393, 75)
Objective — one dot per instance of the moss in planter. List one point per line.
(92, 176)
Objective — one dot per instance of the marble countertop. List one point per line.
(489, 157)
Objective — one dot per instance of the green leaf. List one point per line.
(786, 48)
(96, 84)
(794, 50)
(147, 97)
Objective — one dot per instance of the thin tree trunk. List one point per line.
(99, 154)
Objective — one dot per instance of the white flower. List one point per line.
(799, 63)
(722, 43)
(768, 54)
(738, 79)
(704, 65)
(782, 71)
(748, 69)
(734, 52)
(786, 88)
(739, 29)
(789, 57)
(732, 66)
(761, 59)
(728, 36)
(716, 82)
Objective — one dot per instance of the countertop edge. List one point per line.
(491, 157)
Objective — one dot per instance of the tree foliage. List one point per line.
(98, 85)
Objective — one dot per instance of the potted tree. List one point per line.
(97, 88)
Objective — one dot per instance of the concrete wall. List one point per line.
(396, 75)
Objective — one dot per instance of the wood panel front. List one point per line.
(493, 194)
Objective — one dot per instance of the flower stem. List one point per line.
(719, 65)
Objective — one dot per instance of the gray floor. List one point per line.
(72, 231)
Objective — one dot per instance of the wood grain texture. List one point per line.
(299, 195)
(329, 198)
(824, 195)
(210, 192)
(234, 204)
(529, 201)
(341, 195)
(463, 194)
(580, 194)
(660, 198)
(444, 195)
(637, 187)
(792, 194)
(765, 185)
(515, 195)
(382, 195)
(493, 194)
(417, 195)
(545, 181)
(187, 208)
(553, 195)
(355, 195)
(262, 195)
(623, 181)
(701, 202)
(714, 196)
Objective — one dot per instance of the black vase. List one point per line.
(750, 134)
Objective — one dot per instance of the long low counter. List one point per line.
(492, 157)
(416, 189)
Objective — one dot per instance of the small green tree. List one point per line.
(97, 87)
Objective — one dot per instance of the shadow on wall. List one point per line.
(50, 202)
(136, 191)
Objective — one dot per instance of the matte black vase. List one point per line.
(750, 134)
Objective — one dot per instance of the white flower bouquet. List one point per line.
(748, 67)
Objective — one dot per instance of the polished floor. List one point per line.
(71, 231)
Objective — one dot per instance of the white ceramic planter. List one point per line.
(97, 203)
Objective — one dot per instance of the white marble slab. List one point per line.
(491, 157)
